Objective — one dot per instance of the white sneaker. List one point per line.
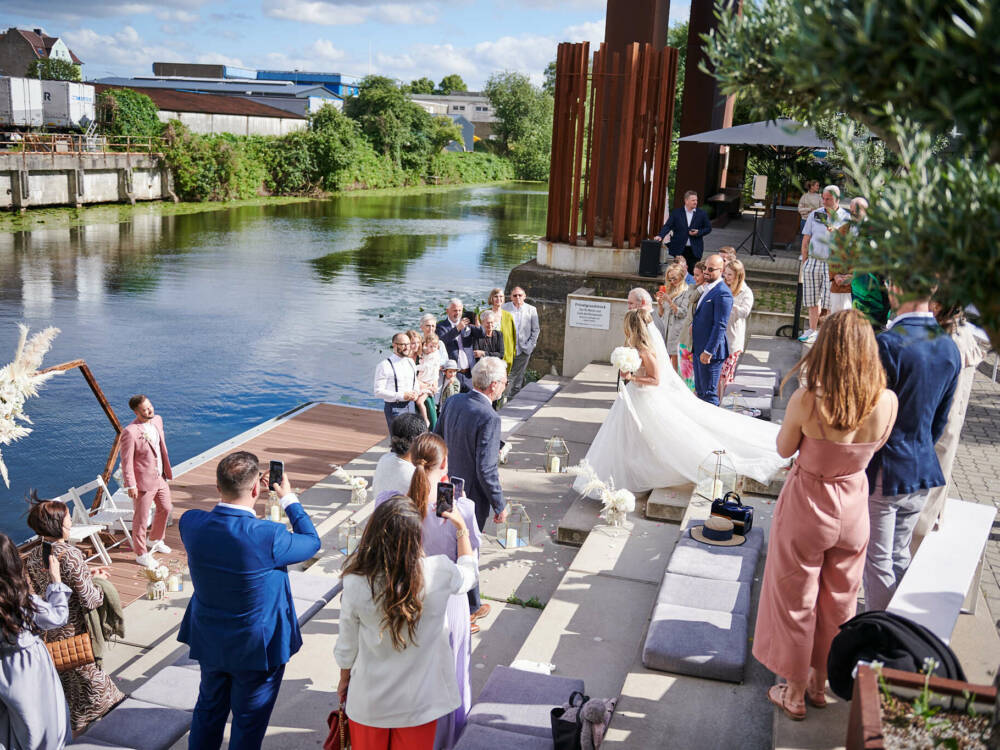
(147, 560)
(804, 337)
(811, 339)
(159, 546)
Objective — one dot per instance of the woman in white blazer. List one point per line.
(397, 673)
(736, 330)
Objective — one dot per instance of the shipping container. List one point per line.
(65, 104)
(20, 103)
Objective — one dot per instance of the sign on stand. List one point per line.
(585, 313)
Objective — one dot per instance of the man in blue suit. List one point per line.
(690, 225)
(471, 430)
(708, 331)
(456, 333)
(921, 365)
(240, 623)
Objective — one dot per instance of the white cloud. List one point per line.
(216, 58)
(320, 55)
(89, 9)
(590, 31)
(125, 49)
(336, 13)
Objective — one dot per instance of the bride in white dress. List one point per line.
(671, 431)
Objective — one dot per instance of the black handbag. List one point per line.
(567, 723)
(741, 515)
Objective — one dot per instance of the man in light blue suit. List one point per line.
(241, 623)
(708, 331)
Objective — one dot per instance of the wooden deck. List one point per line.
(309, 443)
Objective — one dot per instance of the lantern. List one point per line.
(272, 507)
(736, 403)
(175, 582)
(716, 476)
(516, 530)
(350, 537)
(556, 454)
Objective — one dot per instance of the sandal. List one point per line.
(473, 628)
(817, 699)
(776, 695)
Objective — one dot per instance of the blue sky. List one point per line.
(403, 40)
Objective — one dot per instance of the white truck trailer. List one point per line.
(67, 104)
(20, 103)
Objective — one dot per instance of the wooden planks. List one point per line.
(309, 443)
(612, 133)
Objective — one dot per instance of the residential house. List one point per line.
(20, 47)
(474, 106)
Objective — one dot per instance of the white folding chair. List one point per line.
(116, 508)
(84, 528)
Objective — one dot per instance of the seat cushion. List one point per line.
(705, 593)
(518, 701)
(700, 642)
(173, 687)
(693, 558)
(85, 744)
(481, 737)
(135, 723)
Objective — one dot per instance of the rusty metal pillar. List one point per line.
(699, 165)
(626, 21)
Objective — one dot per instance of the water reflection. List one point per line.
(227, 318)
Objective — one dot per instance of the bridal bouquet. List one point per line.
(626, 359)
(19, 381)
(358, 485)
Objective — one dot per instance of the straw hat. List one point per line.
(718, 532)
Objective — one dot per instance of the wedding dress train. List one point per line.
(669, 431)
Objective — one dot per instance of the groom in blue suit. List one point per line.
(708, 331)
(241, 623)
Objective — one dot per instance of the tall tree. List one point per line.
(53, 69)
(451, 83)
(920, 75)
(393, 124)
(549, 83)
(523, 123)
(422, 86)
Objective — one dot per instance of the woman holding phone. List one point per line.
(393, 647)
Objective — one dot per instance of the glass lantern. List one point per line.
(716, 476)
(556, 455)
(272, 507)
(350, 537)
(734, 402)
(516, 530)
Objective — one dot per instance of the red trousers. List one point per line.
(364, 737)
(161, 497)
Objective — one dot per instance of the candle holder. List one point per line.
(516, 530)
(716, 476)
(350, 537)
(556, 455)
(272, 507)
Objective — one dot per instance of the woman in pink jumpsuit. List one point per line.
(819, 535)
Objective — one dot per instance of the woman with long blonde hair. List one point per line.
(735, 276)
(393, 640)
(674, 308)
(836, 421)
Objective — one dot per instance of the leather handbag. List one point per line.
(70, 653)
(741, 515)
(339, 737)
(567, 723)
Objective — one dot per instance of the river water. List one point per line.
(227, 318)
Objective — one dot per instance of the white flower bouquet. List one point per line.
(626, 359)
(19, 381)
(358, 485)
(615, 502)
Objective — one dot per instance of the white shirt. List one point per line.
(904, 316)
(153, 438)
(705, 289)
(287, 500)
(522, 324)
(391, 688)
(392, 473)
(690, 218)
(389, 388)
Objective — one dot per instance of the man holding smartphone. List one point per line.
(241, 623)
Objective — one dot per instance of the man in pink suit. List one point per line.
(146, 469)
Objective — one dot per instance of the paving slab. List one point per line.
(570, 422)
(503, 632)
(579, 519)
(637, 551)
(669, 503)
(595, 649)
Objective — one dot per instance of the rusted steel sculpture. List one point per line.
(601, 187)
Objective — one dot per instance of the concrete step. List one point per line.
(669, 503)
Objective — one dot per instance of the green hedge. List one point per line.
(458, 167)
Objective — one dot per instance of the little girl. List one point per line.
(428, 373)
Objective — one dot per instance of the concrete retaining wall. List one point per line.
(77, 179)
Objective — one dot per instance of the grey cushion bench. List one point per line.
(514, 709)
(140, 725)
(699, 624)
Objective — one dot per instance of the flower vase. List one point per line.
(155, 590)
(615, 517)
(359, 495)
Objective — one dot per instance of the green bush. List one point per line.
(458, 167)
(124, 112)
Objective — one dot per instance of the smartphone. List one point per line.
(663, 289)
(459, 486)
(46, 553)
(276, 474)
(445, 498)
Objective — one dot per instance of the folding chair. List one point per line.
(116, 508)
(84, 528)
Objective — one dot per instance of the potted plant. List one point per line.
(895, 709)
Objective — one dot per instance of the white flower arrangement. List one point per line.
(19, 381)
(159, 573)
(358, 485)
(620, 500)
(626, 359)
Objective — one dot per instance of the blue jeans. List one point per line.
(706, 379)
(250, 695)
(892, 520)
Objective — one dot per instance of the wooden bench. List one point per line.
(944, 569)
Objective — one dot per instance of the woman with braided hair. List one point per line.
(396, 677)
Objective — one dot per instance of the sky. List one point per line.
(403, 40)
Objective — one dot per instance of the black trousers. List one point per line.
(691, 260)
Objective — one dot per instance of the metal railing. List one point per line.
(78, 144)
